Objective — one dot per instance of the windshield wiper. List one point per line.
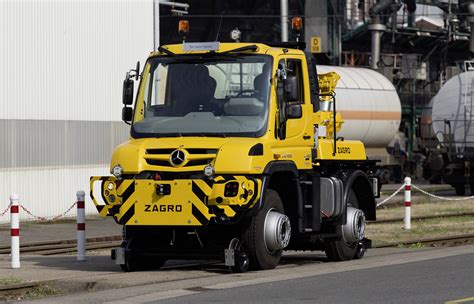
(206, 134)
(180, 134)
(252, 48)
(175, 134)
(166, 51)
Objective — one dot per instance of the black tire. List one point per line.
(460, 189)
(131, 262)
(134, 261)
(153, 263)
(253, 239)
(339, 250)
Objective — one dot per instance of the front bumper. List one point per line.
(182, 202)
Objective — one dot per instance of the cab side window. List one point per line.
(293, 69)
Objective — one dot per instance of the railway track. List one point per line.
(55, 247)
(113, 241)
(95, 243)
(448, 241)
(65, 246)
(425, 217)
(13, 290)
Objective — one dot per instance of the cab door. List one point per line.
(296, 127)
(296, 140)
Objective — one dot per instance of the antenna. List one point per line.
(219, 29)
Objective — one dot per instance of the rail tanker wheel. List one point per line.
(267, 233)
(460, 189)
(349, 247)
(471, 187)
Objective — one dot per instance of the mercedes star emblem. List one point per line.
(177, 157)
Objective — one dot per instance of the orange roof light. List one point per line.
(183, 27)
(296, 24)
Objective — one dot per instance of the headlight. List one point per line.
(208, 170)
(117, 171)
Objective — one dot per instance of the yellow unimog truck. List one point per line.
(234, 155)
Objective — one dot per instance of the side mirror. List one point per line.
(127, 96)
(137, 70)
(291, 89)
(127, 114)
(294, 111)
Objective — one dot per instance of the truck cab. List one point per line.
(233, 154)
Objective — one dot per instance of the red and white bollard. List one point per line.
(15, 230)
(81, 226)
(407, 218)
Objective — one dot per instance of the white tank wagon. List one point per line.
(368, 103)
(371, 109)
(452, 115)
(452, 122)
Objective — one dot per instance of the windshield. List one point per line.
(216, 95)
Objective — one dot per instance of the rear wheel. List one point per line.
(350, 245)
(267, 233)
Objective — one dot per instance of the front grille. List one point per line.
(158, 162)
(202, 151)
(190, 151)
(159, 151)
(195, 156)
(199, 162)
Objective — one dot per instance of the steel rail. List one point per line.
(423, 217)
(447, 241)
(52, 247)
(99, 243)
(8, 292)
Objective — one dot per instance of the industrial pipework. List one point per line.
(377, 26)
(284, 20)
(470, 19)
(377, 29)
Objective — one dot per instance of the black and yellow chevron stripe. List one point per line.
(191, 202)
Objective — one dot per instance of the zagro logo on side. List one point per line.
(163, 208)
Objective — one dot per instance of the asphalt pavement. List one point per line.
(432, 281)
(428, 275)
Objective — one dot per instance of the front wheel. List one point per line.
(267, 234)
(135, 262)
(136, 259)
(350, 245)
